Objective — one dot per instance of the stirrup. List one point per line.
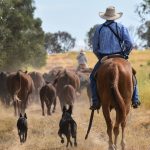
(95, 106)
(136, 105)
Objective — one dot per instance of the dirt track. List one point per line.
(42, 132)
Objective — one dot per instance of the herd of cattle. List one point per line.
(21, 88)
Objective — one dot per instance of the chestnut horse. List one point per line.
(115, 89)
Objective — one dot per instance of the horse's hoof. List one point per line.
(62, 141)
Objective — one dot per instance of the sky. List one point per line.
(78, 16)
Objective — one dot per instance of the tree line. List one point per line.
(23, 41)
(21, 35)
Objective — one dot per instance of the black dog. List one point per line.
(22, 127)
(67, 127)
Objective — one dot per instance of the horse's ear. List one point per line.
(20, 115)
(25, 115)
(64, 109)
(70, 110)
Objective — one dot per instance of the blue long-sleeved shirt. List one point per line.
(105, 42)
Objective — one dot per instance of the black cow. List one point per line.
(22, 127)
(67, 127)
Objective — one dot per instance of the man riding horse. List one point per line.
(111, 38)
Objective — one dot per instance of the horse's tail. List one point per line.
(116, 93)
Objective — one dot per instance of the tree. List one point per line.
(65, 41)
(90, 35)
(51, 43)
(143, 11)
(59, 42)
(144, 33)
(21, 35)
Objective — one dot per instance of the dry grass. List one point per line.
(140, 60)
(42, 133)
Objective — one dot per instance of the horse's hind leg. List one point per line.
(106, 113)
(123, 135)
(116, 128)
(123, 125)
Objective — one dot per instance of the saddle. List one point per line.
(119, 56)
(111, 56)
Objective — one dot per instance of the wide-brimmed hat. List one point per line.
(110, 14)
(82, 52)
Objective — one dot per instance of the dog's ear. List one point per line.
(26, 72)
(20, 115)
(64, 109)
(70, 110)
(25, 115)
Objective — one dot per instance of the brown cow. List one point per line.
(68, 96)
(66, 78)
(20, 86)
(115, 89)
(4, 96)
(39, 82)
(48, 95)
(51, 75)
